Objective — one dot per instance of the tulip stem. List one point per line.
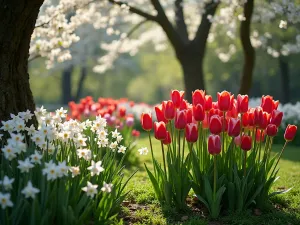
(223, 132)
(215, 176)
(260, 140)
(279, 157)
(179, 145)
(164, 160)
(183, 150)
(151, 148)
(245, 162)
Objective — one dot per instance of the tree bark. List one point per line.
(80, 85)
(18, 19)
(285, 78)
(192, 67)
(249, 53)
(66, 85)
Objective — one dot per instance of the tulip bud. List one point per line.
(146, 121)
(177, 97)
(251, 118)
(198, 97)
(242, 103)
(268, 104)
(290, 132)
(208, 103)
(160, 131)
(214, 144)
(189, 116)
(160, 115)
(276, 117)
(233, 112)
(180, 119)
(183, 105)
(264, 120)
(258, 113)
(168, 140)
(191, 132)
(272, 130)
(198, 112)
(246, 142)
(245, 121)
(122, 111)
(215, 124)
(225, 101)
(169, 110)
(234, 127)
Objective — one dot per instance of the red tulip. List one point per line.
(168, 140)
(242, 103)
(160, 131)
(135, 133)
(189, 115)
(191, 132)
(264, 120)
(205, 122)
(215, 105)
(122, 111)
(272, 130)
(258, 114)
(234, 127)
(198, 97)
(233, 112)
(260, 135)
(276, 117)
(290, 132)
(214, 144)
(268, 104)
(251, 117)
(224, 123)
(183, 105)
(245, 120)
(180, 119)
(177, 97)
(146, 121)
(160, 115)
(215, 124)
(169, 110)
(208, 103)
(198, 112)
(246, 142)
(225, 101)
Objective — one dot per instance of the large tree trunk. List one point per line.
(66, 85)
(249, 53)
(18, 19)
(285, 78)
(192, 66)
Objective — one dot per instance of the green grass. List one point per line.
(284, 210)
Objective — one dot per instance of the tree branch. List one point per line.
(249, 53)
(166, 25)
(204, 27)
(134, 10)
(181, 27)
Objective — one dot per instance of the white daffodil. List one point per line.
(25, 165)
(122, 149)
(5, 200)
(30, 130)
(9, 152)
(119, 138)
(113, 145)
(7, 183)
(61, 112)
(29, 191)
(96, 168)
(115, 133)
(63, 169)
(90, 189)
(75, 171)
(84, 153)
(107, 187)
(143, 151)
(36, 157)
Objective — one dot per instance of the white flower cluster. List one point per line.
(53, 129)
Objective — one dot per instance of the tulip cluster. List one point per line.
(115, 113)
(228, 143)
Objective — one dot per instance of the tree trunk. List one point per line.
(66, 84)
(192, 67)
(249, 53)
(18, 19)
(83, 75)
(285, 78)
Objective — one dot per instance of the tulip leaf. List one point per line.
(280, 192)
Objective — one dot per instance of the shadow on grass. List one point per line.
(290, 153)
